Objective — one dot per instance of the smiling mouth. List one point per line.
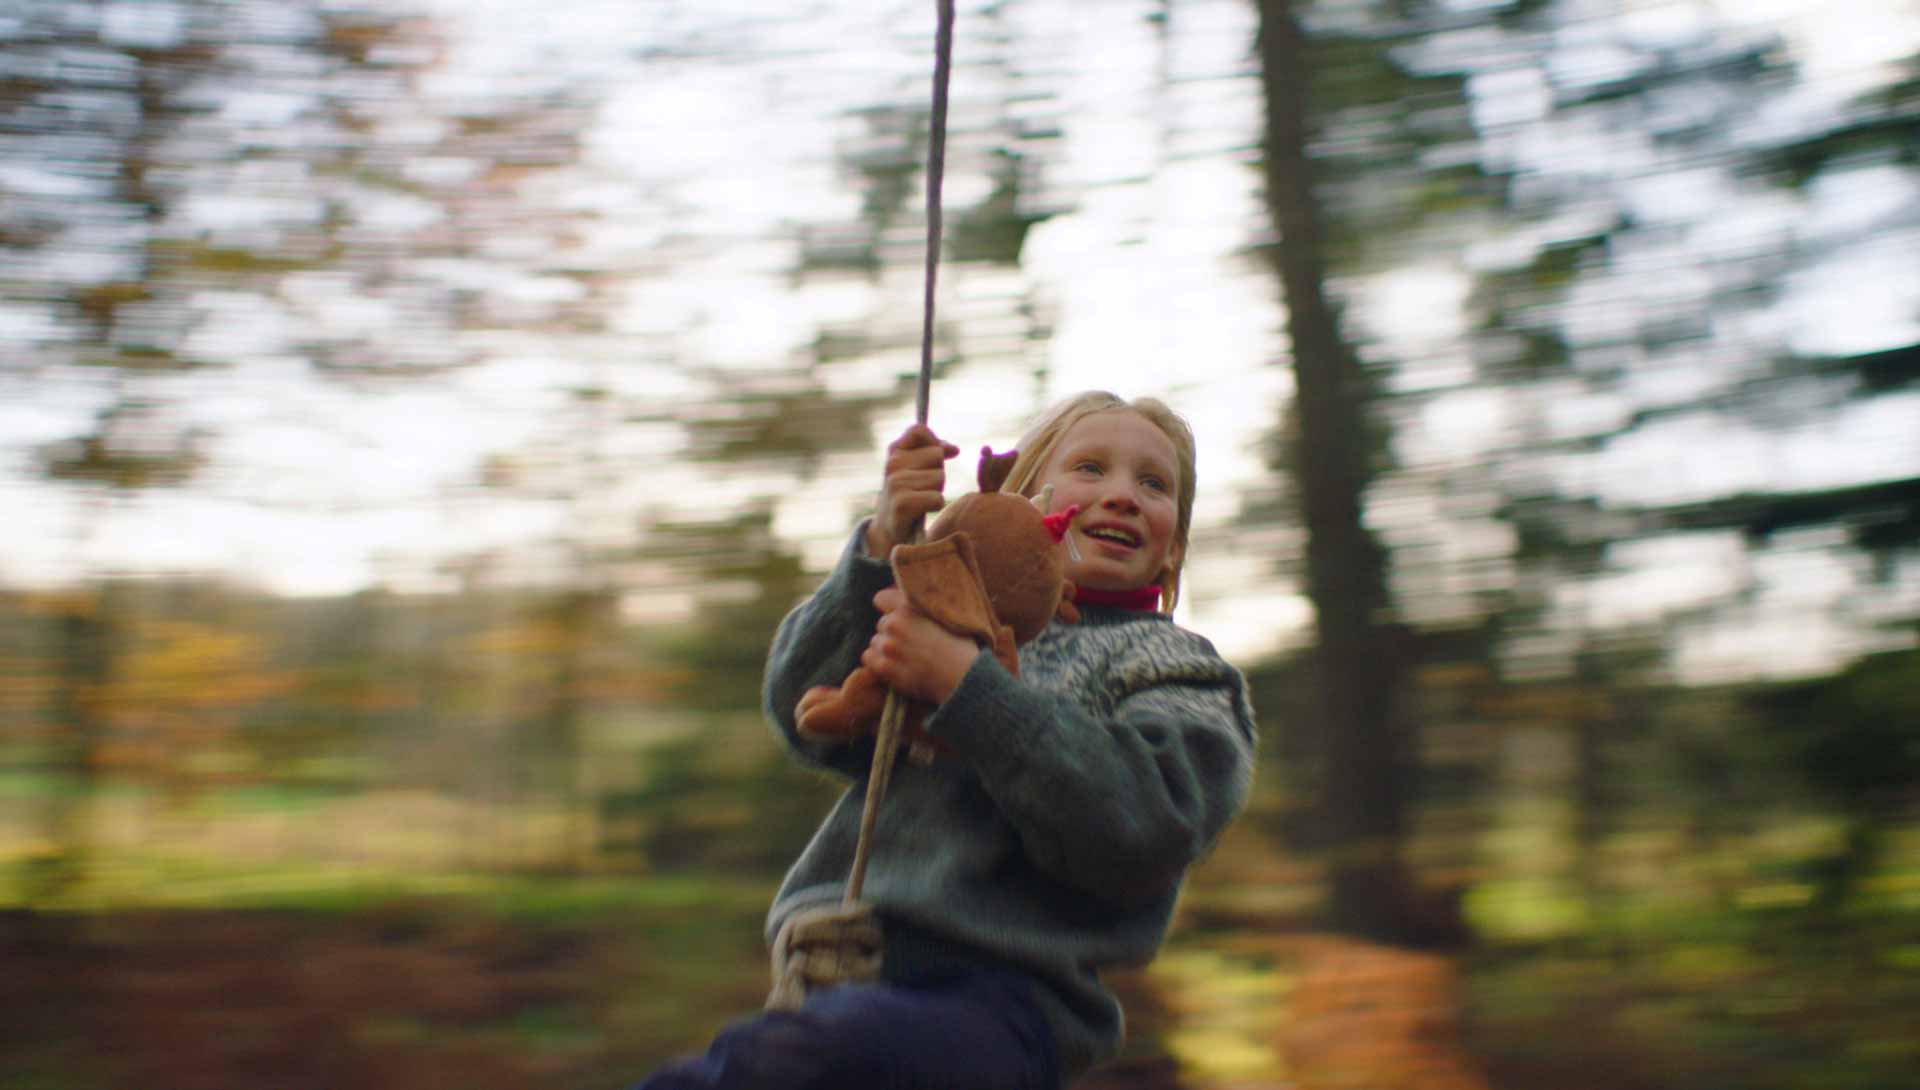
(1113, 536)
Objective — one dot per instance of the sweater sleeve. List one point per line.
(1117, 802)
(819, 643)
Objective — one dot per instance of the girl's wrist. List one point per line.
(957, 668)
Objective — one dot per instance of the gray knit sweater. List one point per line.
(1055, 838)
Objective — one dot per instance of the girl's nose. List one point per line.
(1121, 498)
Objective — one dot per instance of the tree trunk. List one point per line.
(1363, 799)
(85, 656)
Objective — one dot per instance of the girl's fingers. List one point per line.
(912, 654)
(919, 503)
(919, 443)
(919, 435)
(917, 480)
(915, 435)
(882, 655)
(924, 472)
(912, 487)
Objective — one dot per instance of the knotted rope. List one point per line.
(823, 947)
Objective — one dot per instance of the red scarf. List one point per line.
(1145, 598)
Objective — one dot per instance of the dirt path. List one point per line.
(1357, 1016)
(1367, 1017)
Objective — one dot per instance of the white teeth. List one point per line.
(1120, 536)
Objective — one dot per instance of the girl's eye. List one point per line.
(1154, 483)
(1086, 467)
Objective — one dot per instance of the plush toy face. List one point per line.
(1020, 561)
(1020, 558)
(1006, 551)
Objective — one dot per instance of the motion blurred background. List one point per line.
(415, 415)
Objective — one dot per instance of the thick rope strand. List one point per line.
(886, 748)
(893, 715)
(936, 171)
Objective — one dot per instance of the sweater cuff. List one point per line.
(981, 717)
(866, 575)
(857, 549)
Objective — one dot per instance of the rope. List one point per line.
(823, 947)
(936, 170)
(893, 715)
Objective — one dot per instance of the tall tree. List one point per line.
(1363, 799)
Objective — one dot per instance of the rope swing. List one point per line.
(887, 740)
(823, 947)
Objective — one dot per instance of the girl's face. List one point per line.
(1123, 472)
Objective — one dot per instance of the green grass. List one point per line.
(1711, 966)
(1764, 998)
(311, 848)
(158, 880)
(33, 784)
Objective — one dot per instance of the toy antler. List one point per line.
(1056, 523)
(994, 468)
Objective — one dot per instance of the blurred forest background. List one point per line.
(416, 415)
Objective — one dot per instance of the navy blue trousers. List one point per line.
(977, 1031)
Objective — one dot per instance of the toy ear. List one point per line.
(994, 468)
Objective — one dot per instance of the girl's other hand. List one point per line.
(911, 489)
(913, 654)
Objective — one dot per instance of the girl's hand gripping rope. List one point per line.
(913, 654)
(912, 488)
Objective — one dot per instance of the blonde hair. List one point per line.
(1043, 436)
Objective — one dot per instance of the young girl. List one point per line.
(1050, 839)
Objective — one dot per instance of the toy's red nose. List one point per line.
(1057, 522)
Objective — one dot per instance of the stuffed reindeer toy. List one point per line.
(991, 570)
